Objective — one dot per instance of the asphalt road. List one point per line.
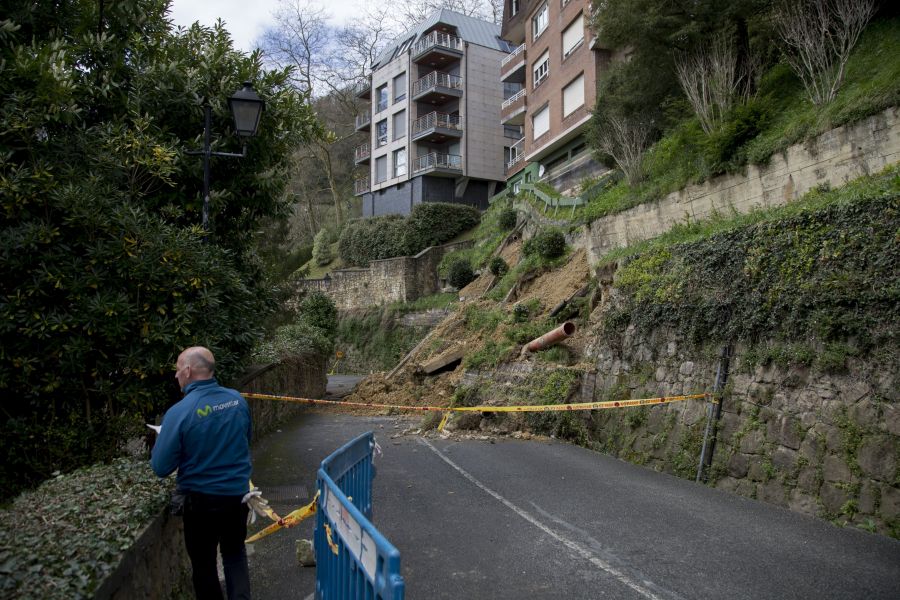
(517, 519)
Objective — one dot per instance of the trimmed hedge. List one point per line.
(429, 224)
(63, 538)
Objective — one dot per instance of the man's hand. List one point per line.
(257, 504)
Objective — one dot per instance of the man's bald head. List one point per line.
(194, 364)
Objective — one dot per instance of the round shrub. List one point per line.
(318, 310)
(520, 313)
(498, 266)
(507, 219)
(322, 248)
(548, 244)
(460, 274)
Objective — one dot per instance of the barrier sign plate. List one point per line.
(356, 540)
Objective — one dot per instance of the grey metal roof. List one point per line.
(470, 29)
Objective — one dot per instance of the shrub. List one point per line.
(318, 310)
(433, 223)
(460, 274)
(507, 219)
(292, 340)
(498, 266)
(365, 240)
(322, 248)
(548, 244)
(520, 313)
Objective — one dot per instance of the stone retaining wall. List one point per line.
(834, 158)
(401, 279)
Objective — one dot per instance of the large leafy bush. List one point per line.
(433, 223)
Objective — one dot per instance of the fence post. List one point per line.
(713, 412)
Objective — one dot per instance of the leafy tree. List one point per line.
(322, 248)
(460, 273)
(107, 274)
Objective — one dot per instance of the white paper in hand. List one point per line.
(156, 428)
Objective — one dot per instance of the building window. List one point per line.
(381, 94)
(540, 122)
(573, 36)
(510, 89)
(380, 169)
(513, 8)
(541, 68)
(399, 87)
(513, 132)
(573, 95)
(400, 162)
(381, 131)
(399, 124)
(539, 21)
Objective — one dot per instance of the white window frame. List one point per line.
(379, 139)
(398, 153)
(541, 69)
(378, 105)
(540, 21)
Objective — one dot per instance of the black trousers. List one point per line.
(212, 522)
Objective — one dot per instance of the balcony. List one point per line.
(437, 49)
(363, 122)
(361, 186)
(516, 157)
(436, 128)
(512, 111)
(436, 163)
(363, 90)
(362, 153)
(437, 88)
(512, 67)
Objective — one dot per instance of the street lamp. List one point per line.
(247, 107)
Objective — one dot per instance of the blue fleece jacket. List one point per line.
(206, 436)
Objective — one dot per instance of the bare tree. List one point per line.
(712, 80)
(410, 12)
(818, 36)
(625, 139)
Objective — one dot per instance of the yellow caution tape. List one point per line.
(331, 544)
(525, 408)
(291, 520)
(444, 421)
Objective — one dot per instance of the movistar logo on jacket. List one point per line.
(206, 410)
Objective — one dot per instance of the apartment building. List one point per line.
(550, 86)
(433, 122)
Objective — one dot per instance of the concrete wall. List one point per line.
(401, 279)
(483, 134)
(831, 159)
(385, 75)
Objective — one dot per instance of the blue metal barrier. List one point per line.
(353, 560)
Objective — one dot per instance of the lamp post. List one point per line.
(246, 107)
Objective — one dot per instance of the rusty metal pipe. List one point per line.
(550, 338)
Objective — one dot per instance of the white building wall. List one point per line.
(382, 76)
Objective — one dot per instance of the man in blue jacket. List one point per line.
(206, 437)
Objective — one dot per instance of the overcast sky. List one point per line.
(246, 19)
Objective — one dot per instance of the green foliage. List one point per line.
(293, 340)
(548, 243)
(460, 273)
(790, 275)
(520, 313)
(555, 387)
(498, 266)
(62, 539)
(488, 357)
(429, 224)
(321, 252)
(434, 223)
(506, 220)
(373, 340)
(476, 318)
(106, 273)
(318, 310)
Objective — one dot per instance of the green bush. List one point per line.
(548, 244)
(434, 223)
(322, 248)
(498, 266)
(63, 538)
(293, 340)
(318, 310)
(460, 274)
(374, 238)
(507, 219)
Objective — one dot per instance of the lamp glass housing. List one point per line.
(247, 107)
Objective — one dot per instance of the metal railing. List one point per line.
(436, 38)
(436, 160)
(435, 119)
(516, 154)
(363, 120)
(361, 185)
(362, 152)
(436, 79)
(353, 559)
(512, 55)
(513, 99)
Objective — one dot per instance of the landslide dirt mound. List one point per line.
(553, 287)
(512, 253)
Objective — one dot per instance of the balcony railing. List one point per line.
(363, 120)
(436, 38)
(512, 55)
(513, 99)
(436, 79)
(433, 120)
(361, 186)
(516, 154)
(435, 160)
(362, 152)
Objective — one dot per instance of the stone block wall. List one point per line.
(833, 158)
(401, 279)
